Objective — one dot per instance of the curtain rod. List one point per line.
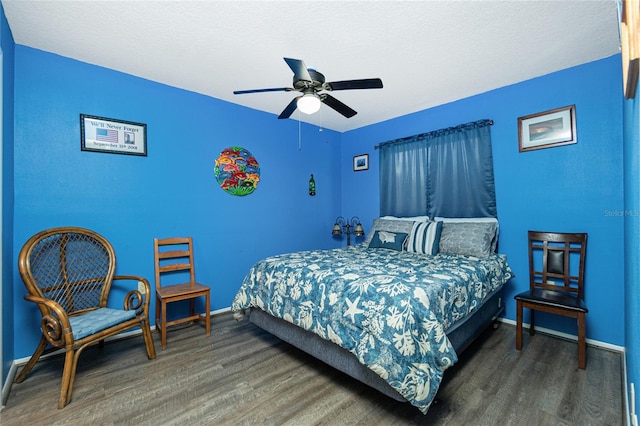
(479, 123)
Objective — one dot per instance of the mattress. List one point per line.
(390, 309)
(461, 335)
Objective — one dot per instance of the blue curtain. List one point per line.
(446, 172)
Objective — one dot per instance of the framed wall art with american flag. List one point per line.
(109, 135)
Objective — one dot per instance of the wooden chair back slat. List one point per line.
(554, 249)
(169, 259)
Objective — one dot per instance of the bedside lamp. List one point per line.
(341, 224)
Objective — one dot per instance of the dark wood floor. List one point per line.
(244, 376)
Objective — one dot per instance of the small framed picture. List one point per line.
(361, 162)
(113, 136)
(547, 129)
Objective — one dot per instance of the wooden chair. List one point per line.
(175, 256)
(554, 286)
(68, 273)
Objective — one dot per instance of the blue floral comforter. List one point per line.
(389, 308)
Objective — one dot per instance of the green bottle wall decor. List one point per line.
(312, 186)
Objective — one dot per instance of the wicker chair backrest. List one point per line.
(71, 266)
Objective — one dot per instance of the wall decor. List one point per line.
(237, 171)
(312, 186)
(113, 136)
(547, 129)
(361, 162)
(630, 45)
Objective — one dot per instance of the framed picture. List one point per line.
(547, 129)
(361, 162)
(102, 134)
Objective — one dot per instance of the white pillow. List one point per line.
(466, 219)
(494, 241)
(411, 218)
(424, 238)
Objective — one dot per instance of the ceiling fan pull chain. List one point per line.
(299, 133)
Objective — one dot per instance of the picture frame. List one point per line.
(101, 134)
(361, 162)
(547, 129)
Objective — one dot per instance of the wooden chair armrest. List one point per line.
(56, 328)
(134, 299)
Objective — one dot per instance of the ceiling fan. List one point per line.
(311, 83)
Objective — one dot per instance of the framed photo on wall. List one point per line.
(547, 129)
(102, 134)
(361, 162)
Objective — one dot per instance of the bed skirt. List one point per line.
(461, 334)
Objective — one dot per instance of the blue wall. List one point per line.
(130, 200)
(7, 45)
(571, 188)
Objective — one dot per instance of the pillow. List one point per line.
(412, 218)
(467, 238)
(494, 241)
(388, 240)
(390, 226)
(424, 238)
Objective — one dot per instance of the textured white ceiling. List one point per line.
(426, 52)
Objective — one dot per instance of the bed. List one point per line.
(389, 316)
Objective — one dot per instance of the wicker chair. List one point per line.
(68, 273)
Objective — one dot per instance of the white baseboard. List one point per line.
(591, 342)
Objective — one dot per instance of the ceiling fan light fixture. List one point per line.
(309, 103)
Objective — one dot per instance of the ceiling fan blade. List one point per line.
(286, 113)
(367, 83)
(337, 105)
(299, 69)
(275, 89)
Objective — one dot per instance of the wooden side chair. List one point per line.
(554, 285)
(69, 274)
(174, 256)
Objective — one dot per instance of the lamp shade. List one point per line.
(336, 229)
(309, 103)
(358, 231)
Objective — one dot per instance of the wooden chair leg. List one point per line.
(158, 325)
(148, 340)
(32, 361)
(532, 328)
(518, 325)
(68, 374)
(582, 343)
(163, 321)
(207, 312)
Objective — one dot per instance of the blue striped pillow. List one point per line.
(425, 238)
